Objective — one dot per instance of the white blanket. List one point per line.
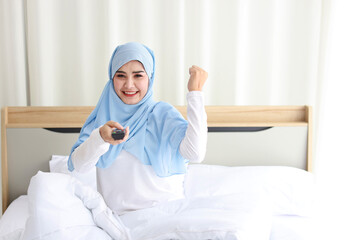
(63, 208)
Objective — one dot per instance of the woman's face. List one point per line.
(131, 82)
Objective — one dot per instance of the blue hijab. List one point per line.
(156, 128)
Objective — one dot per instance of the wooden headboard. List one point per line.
(218, 116)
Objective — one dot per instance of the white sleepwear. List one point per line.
(128, 184)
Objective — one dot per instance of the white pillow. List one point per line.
(290, 190)
(58, 164)
(12, 223)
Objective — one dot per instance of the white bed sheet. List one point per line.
(208, 189)
(12, 224)
(293, 227)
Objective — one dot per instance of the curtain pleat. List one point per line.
(256, 52)
(13, 63)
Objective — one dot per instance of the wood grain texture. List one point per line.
(36, 117)
(310, 137)
(4, 166)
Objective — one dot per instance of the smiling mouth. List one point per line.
(130, 94)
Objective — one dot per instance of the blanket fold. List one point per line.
(61, 207)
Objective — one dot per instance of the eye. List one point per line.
(120, 75)
(138, 75)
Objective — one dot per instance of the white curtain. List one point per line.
(257, 52)
(338, 155)
(13, 60)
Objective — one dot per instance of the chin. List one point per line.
(130, 102)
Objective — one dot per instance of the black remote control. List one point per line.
(118, 134)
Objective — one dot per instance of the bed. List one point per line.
(256, 178)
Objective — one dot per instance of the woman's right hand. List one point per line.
(107, 128)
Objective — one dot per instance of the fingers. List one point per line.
(106, 130)
(114, 124)
(194, 67)
(198, 77)
(127, 132)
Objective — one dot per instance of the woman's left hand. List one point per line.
(197, 79)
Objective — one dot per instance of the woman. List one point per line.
(147, 166)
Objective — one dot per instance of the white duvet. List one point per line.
(61, 207)
(221, 203)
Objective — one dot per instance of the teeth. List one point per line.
(130, 93)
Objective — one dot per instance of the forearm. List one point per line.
(88, 153)
(193, 146)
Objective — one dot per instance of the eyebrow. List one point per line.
(132, 72)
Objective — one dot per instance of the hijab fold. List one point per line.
(156, 128)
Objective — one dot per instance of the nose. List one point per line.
(129, 83)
